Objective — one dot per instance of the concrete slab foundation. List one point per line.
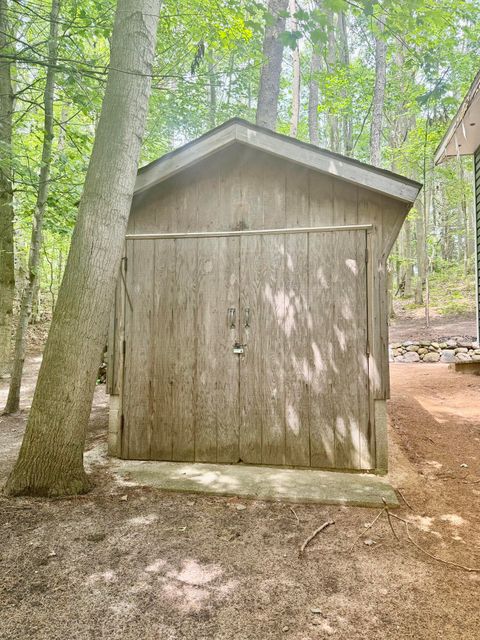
(465, 367)
(261, 483)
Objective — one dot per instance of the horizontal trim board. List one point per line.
(246, 232)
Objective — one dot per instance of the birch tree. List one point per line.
(269, 87)
(7, 272)
(51, 457)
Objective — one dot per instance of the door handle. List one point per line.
(232, 312)
(247, 317)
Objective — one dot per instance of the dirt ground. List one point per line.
(410, 325)
(135, 563)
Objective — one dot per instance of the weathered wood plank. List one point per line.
(163, 328)
(185, 322)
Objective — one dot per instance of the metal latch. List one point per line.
(239, 348)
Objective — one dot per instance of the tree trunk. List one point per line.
(7, 268)
(296, 75)
(345, 58)
(378, 98)
(316, 65)
(51, 456)
(13, 400)
(212, 106)
(420, 249)
(269, 88)
(407, 292)
(331, 60)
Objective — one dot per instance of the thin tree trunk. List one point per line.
(7, 266)
(420, 250)
(13, 400)
(269, 88)
(313, 98)
(296, 75)
(407, 292)
(51, 456)
(378, 97)
(331, 60)
(212, 107)
(345, 58)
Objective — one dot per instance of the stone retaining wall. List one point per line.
(449, 350)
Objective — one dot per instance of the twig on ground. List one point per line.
(316, 532)
(366, 529)
(430, 555)
(295, 514)
(405, 500)
(389, 519)
(470, 481)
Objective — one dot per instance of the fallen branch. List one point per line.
(389, 519)
(405, 500)
(366, 529)
(430, 555)
(315, 533)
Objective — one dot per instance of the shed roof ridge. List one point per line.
(244, 132)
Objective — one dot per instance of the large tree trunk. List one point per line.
(378, 97)
(296, 75)
(13, 400)
(7, 270)
(51, 457)
(269, 89)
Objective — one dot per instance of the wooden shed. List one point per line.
(250, 321)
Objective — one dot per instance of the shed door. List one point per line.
(180, 385)
(296, 394)
(304, 397)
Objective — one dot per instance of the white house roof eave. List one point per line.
(463, 135)
(240, 131)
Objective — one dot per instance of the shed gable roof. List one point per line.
(238, 131)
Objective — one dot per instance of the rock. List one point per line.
(124, 498)
(285, 629)
(369, 542)
(461, 350)
(408, 343)
(462, 357)
(435, 345)
(465, 343)
(442, 345)
(412, 347)
(464, 466)
(451, 344)
(396, 345)
(411, 356)
(477, 352)
(399, 359)
(431, 357)
(475, 358)
(448, 355)
(425, 343)
(422, 351)
(475, 345)
(316, 610)
(241, 507)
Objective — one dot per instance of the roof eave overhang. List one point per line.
(341, 167)
(463, 135)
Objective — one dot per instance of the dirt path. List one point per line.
(411, 326)
(129, 562)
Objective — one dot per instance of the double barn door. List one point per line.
(248, 348)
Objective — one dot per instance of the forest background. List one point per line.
(377, 81)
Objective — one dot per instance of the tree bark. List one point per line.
(269, 88)
(51, 456)
(420, 249)
(13, 400)
(378, 97)
(7, 269)
(296, 76)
